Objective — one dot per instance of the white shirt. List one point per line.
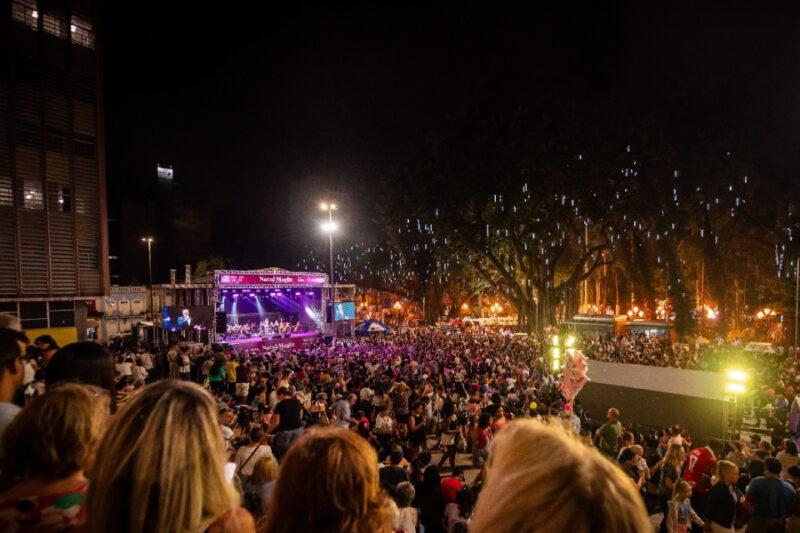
(407, 520)
(29, 373)
(147, 361)
(227, 435)
(139, 372)
(244, 452)
(124, 369)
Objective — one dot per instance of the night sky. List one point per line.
(269, 112)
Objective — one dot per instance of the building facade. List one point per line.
(53, 227)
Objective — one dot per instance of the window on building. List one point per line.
(25, 12)
(33, 315)
(84, 149)
(62, 314)
(64, 200)
(32, 195)
(6, 192)
(82, 32)
(88, 258)
(54, 25)
(59, 197)
(80, 206)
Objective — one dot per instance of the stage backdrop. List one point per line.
(658, 397)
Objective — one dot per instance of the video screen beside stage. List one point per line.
(178, 317)
(345, 310)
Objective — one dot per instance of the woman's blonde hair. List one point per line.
(538, 478)
(675, 455)
(724, 467)
(265, 470)
(57, 434)
(161, 464)
(328, 481)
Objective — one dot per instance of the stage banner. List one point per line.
(254, 280)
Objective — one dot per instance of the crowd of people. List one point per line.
(372, 434)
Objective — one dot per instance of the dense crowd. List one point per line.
(373, 434)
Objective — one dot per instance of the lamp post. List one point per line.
(398, 307)
(329, 227)
(149, 242)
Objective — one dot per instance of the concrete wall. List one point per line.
(658, 397)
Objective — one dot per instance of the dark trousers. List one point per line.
(699, 505)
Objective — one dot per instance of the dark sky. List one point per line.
(271, 111)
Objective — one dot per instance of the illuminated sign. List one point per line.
(226, 280)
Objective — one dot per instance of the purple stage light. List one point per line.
(252, 294)
(297, 294)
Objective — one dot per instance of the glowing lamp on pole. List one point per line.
(330, 227)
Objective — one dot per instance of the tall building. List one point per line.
(167, 206)
(53, 229)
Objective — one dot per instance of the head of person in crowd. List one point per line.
(82, 362)
(47, 345)
(627, 457)
(682, 490)
(675, 455)
(772, 467)
(404, 494)
(264, 471)
(12, 370)
(340, 476)
(716, 446)
(161, 466)
(727, 472)
(56, 435)
(790, 446)
(538, 478)
(9, 321)
(613, 414)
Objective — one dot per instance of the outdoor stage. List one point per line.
(295, 340)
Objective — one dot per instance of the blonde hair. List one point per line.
(725, 466)
(56, 434)
(265, 470)
(337, 470)
(675, 455)
(539, 478)
(161, 464)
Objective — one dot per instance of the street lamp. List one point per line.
(149, 242)
(398, 307)
(329, 227)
